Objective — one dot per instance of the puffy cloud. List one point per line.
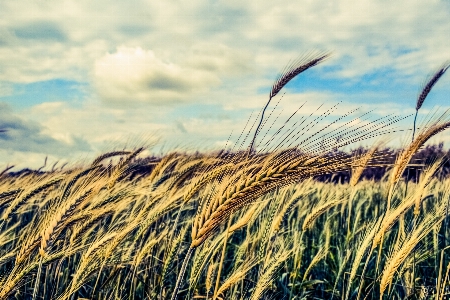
(137, 75)
(134, 74)
(6, 89)
(103, 127)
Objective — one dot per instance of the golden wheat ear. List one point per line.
(406, 155)
(104, 156)
(291, 71)
(426, 89)
(430, 82)
(298, 66)
(399, 254)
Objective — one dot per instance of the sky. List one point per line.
(78, 78)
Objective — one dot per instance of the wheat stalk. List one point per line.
(390, 218)
(424, 182)
(319, 210)
(320, 255)
(120, 169)
(19, 271)
(33, 192)
(238, 195)
(234, 278)
(406, 155)
(210, 277)
(282, 215)
(243, 221)
(360, 165)
(173, 251)
(364, 244)
(401, 253)
(269, 273)
(49, 233)
(104, 156)
(88, 263)
(432, 80)
(197, 185)
(163, 163)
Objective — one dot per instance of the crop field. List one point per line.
(268, 219)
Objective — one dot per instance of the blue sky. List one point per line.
(82, 77)
(25, 95)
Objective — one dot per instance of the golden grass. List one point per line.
(99, 232)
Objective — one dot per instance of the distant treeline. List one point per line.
(144, 166)
(420, 160)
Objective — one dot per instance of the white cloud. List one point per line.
(6, 89)
(65, 39)
(99, 125)
(137, 75)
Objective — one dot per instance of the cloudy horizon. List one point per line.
(79, 77)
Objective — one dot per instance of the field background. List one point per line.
(121, 227)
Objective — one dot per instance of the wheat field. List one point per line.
(254, 222)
